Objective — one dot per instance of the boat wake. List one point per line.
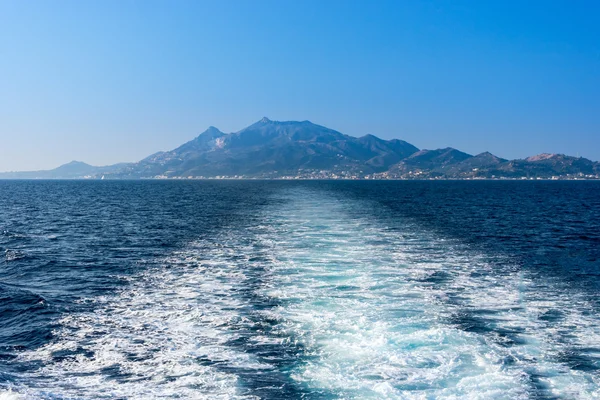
(318, 299)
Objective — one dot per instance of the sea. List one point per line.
(299, 290)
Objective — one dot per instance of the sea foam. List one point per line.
(318, 298)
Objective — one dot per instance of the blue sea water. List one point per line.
(315, 290)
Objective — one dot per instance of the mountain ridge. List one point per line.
(302, 149)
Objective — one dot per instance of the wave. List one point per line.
(317, 298)
(397, 312)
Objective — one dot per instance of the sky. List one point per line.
(113, 81)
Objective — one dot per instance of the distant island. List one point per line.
(303, 150)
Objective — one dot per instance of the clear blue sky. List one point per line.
(108, 81)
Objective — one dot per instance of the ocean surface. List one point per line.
(289, 290)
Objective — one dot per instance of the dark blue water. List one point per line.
(250, 289)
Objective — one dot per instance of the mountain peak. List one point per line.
(487, 154)
(368, 136)
(75, 163)
(78, 166)
(541, 157)
(212, 130)
(265, 120)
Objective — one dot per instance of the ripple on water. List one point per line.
(384, 313)
(319, 300)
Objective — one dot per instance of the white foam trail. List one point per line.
(374, 311)
(361, 299)
(10, 395)
(164, 337)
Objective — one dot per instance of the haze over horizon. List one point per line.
(110, 82)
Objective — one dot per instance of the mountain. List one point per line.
(432, 162)
(475, 166)
(453, 164)
(544, 166)
(388, 152)
(71, 170)
(302, 149)
(270, 148)
(548, 165)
